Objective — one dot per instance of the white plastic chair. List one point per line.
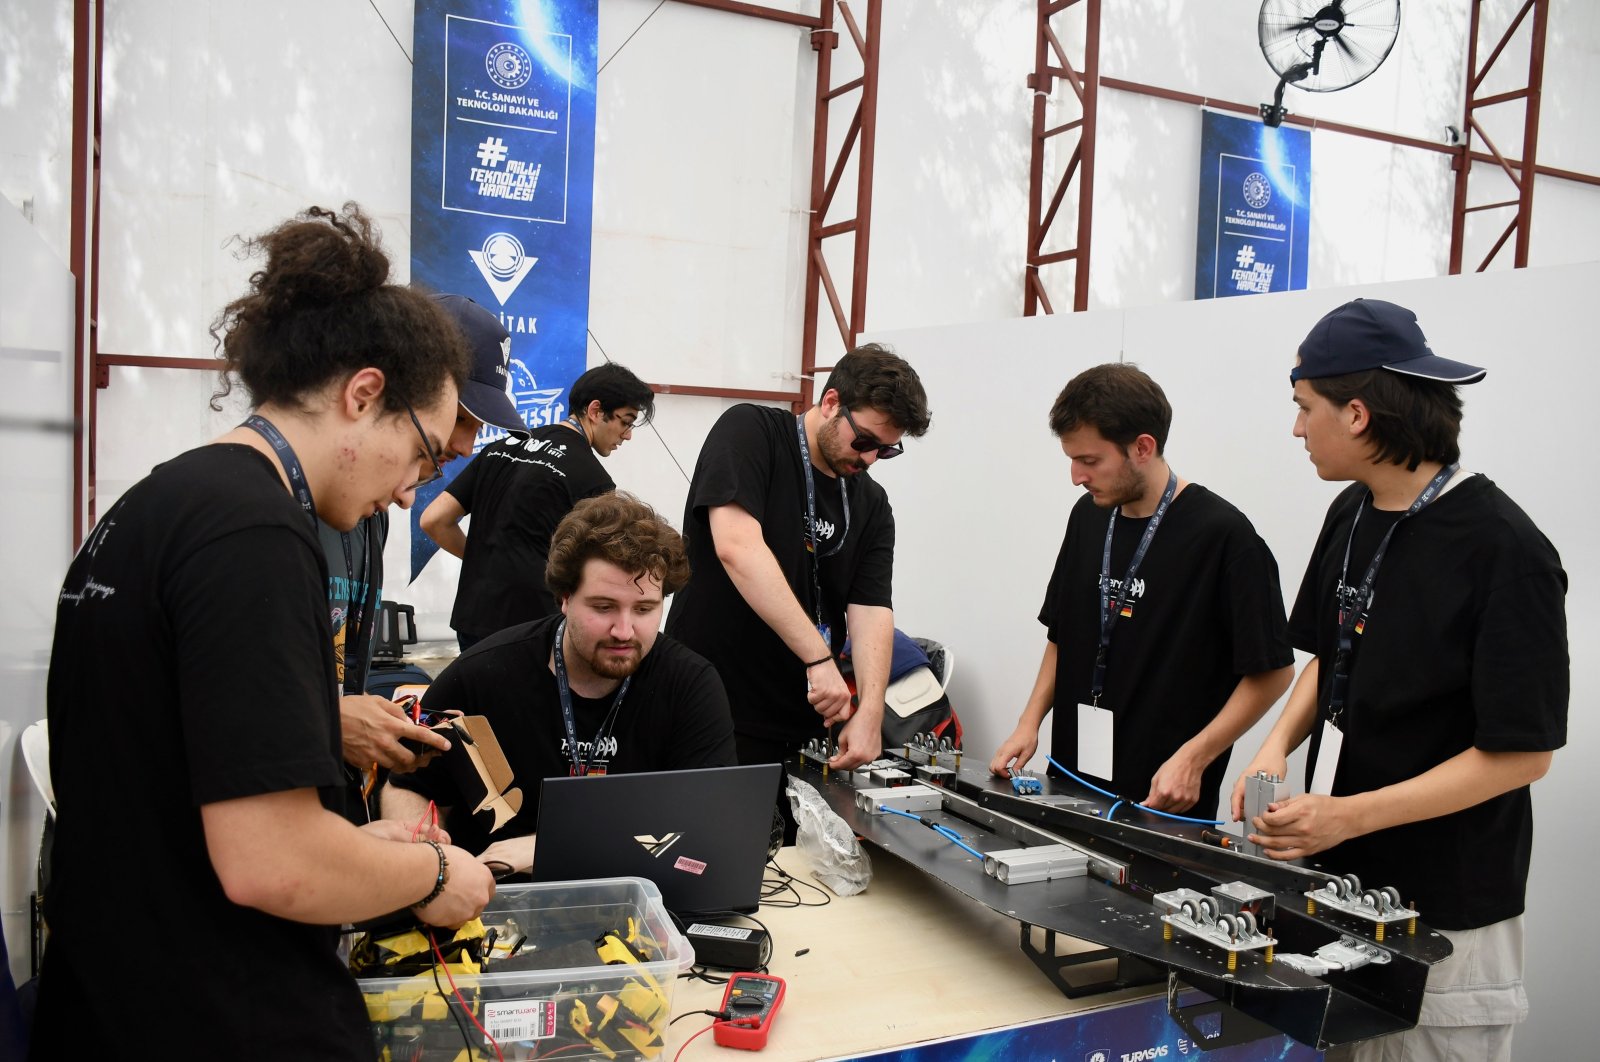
(36, 752)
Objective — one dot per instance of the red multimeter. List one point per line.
(751, 1002)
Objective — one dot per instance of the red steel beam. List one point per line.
(151, 361)
(88, 38)
(734, 7)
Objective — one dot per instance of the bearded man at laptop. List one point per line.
(595, 689)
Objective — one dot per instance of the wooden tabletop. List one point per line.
(905, 961)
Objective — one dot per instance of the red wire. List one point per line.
(692, 1039)
(431, 815)
(457, 993)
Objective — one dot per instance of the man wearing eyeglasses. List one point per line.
(372, 727)
(518, 490)
(792, 545)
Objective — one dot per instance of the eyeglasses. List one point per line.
(866, 443)
(438, 473)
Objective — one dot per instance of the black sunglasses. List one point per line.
(865, 443)
(427, 446)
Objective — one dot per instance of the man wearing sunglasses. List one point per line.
(792, 545)
(372, 727)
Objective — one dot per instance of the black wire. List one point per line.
(448, 998)
(720, 1015)
(652, 423)
(386, 26)
(787, 884)
(632, 35)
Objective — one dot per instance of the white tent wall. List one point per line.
(222, 119)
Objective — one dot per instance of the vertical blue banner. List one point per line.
(1255, 207)
(502, 186)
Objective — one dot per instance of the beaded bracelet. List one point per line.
(444, 876)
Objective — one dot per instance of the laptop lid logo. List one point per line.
(656, 846)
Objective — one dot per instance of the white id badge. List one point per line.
(1327, 759)
(1094, 740)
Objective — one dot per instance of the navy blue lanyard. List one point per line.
(1353, 612)
(1111, 604)
(302, 492)
(291, 464)
(811, 517)
(581, 767)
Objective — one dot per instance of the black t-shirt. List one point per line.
(1206, 611)
(674, 716)
(517, 490)
(192, 664)
(1465, 645)
(752, 458)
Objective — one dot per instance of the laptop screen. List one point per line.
(700, 835)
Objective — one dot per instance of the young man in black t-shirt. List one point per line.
(517, 491)
(792, 544)
(372, 726)
(1188, 622)
(639, 701)
(194, 721)
(1438, 690)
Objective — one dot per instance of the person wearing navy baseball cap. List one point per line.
(1368, 334)
(1437, 690)
(485, 397)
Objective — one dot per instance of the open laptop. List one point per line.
(701, 835)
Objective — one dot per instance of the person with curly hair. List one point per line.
(192, 700)
(594, 689)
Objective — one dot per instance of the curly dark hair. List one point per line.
(1116, 399)
(872, 376)
(323, 308)
(618, 528)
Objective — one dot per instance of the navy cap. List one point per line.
(1372, 334)
(485, 392)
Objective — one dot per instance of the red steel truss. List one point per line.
(1085, 87)
(1520, 174)
(859, 143)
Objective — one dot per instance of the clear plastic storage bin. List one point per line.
(591, 978)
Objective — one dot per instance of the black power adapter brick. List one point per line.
(728, 947)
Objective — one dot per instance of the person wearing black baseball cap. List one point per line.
(1437, 690)
(372, 727)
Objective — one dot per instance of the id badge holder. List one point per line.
(1095, 740)
(1327, 759)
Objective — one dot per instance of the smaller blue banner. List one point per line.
(1255, 207)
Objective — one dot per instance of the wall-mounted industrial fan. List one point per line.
(1323, 46)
